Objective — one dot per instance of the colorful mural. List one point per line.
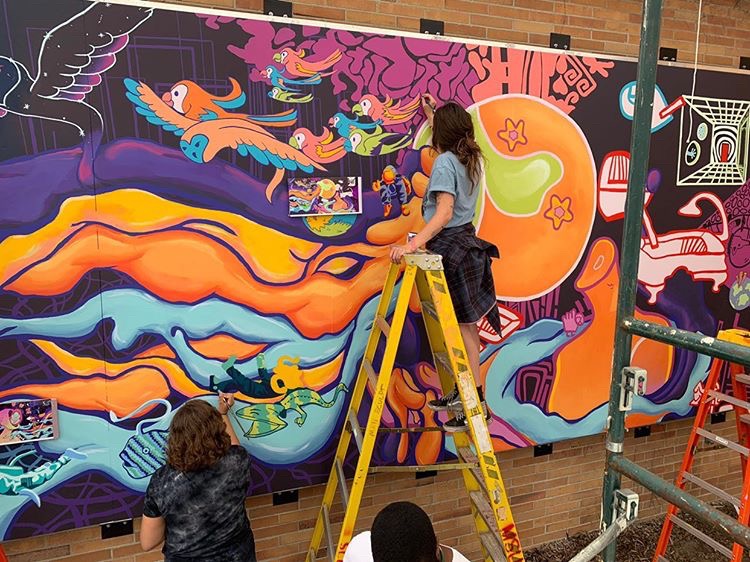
(147, 255)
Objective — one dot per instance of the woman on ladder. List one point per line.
(448, 209)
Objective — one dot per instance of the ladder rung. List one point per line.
(744, 378)
(429, 308)
(711, 488)
(729, 399)
(383, 325)
(327, 529)
(745, 418)
(484, 508)
(370, 371)
(493, 547)
(355, 428)
(717, 546)
(468, 456)
(421, 467)
(342, 483)
(721, 441)
(442, 358)
(409, 429)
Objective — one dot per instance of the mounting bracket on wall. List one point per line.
(431, 27)
(559, 41)
(744, 63)
(667, 53)
(278, 8)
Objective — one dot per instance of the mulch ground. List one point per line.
(638, 542)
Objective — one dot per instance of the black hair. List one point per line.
(402, 532)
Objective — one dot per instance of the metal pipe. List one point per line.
(681, 499)
(689, 340)
(601, 542)
(640, 143)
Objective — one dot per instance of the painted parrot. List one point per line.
(323, 149)
(278, 80)
(200, 141)
(344, 125)
(376, 143)
(289, 97)
(195, 103)
(390, 112)
(296, 64)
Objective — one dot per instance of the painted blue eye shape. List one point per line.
(146, 450)
(176, 94)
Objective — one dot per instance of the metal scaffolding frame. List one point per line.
(627, 326)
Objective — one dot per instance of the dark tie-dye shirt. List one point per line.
(204, 511)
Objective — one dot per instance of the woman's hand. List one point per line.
(428, 103)
(397, 252)
(226, 401)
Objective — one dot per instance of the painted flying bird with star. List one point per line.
(321, 148)
(201, 140)
(72, 58)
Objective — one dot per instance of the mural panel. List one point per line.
(148, 255)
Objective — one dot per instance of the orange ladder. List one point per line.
(741, 406)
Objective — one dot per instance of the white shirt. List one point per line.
(359, 550)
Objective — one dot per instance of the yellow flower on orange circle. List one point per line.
(559, 211)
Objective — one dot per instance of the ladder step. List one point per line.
(355, 428)
(409, 429)
(370, 371)
(493, 547)
(468, 456)
(421, 467)
(729, 399)
(483, 507)
(745, 418)
(717, 546)
(442, 358)
(743, 378)
(724, 442)
(342, 483)
(429, 308)
(383, 325)
(711, 488)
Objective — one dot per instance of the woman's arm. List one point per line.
(152, 532)
(443, 215)
(225, 402)
(428, 106)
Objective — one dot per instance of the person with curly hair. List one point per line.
(195, 503)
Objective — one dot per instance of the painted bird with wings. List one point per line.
(72, 59)
(202, 138)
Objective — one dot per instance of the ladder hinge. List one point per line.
(632, 379)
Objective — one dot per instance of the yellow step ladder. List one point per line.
(484, 484)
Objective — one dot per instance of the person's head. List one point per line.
(453, 131)
(197, 437)
(402, 532)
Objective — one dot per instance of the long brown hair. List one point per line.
(197, 437)
(453, 131)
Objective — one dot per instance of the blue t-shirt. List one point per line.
(450, 176)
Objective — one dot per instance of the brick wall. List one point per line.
(550, 496)
(598, 26)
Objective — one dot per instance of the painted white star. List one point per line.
(44, 74)
(82, 134)
(101, 35)
(48, 35)
(26, 106)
